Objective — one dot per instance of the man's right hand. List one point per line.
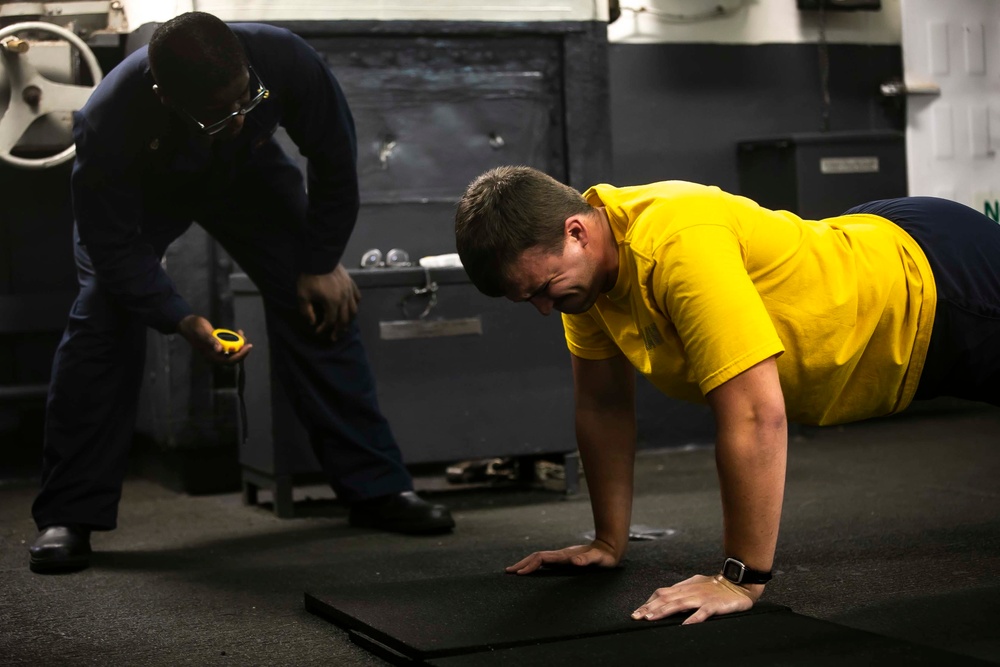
(597, 554)
(198, 331)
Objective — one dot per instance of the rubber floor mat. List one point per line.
(782, 639)
(430, 618)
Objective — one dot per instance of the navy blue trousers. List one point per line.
(98, 367)
(963, 248)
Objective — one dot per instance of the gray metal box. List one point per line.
(475, 378)
(822, 174)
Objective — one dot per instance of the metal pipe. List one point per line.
(17, 392)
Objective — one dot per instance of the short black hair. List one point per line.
(195, 55)
(505, 212)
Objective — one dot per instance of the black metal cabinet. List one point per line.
(462, 377)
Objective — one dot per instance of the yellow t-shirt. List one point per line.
(710, 284)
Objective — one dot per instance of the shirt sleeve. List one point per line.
(107, 205)
(319, 121)
(586, 339)
(704, 286)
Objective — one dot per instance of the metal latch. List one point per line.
(430, 288)
(897, 88)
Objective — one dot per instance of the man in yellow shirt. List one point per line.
(762, 315)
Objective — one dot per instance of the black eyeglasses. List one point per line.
(259, 93)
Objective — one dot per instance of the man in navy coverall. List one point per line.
(181, 132)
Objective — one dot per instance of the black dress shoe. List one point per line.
(404, 512)
(60, 549)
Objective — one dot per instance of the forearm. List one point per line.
(330, 218)
(751, 458)
(607, 447)
(605, 434)
(750, 454)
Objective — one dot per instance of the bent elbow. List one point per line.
(772, 417)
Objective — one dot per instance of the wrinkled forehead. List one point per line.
(525, 275)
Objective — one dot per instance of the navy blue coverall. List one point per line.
(142, 175)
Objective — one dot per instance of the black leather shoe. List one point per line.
(404, 512)
(60, 549)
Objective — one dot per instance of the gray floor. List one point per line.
(891, 526)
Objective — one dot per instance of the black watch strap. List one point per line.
(735, 571)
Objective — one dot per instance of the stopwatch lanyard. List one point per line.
(241, 383)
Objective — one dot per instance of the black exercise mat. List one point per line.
(431, 618)
(782, 639)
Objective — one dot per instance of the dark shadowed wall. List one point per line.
(678, 110)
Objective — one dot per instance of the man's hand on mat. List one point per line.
(329, 301)
(708, 596)
(596, 554)
(198, 331)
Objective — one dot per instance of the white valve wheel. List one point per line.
(51, 96)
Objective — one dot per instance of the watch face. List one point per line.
(733, 570)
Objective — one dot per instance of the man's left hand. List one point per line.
(329, 301)
(708, 596)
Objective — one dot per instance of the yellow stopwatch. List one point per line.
(231, 341)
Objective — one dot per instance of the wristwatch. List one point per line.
(735, 571)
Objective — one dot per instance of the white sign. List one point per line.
(848, 165)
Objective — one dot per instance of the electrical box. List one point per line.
(843, 5)
(822, 174)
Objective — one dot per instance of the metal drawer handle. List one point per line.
(430, 287)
